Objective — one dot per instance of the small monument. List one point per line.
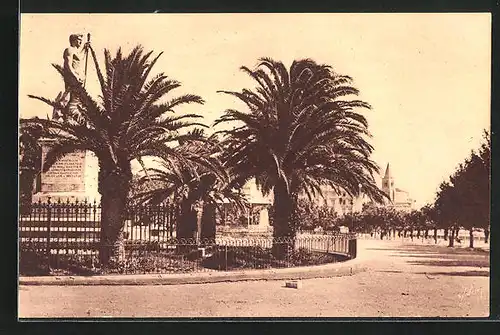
(73, 177)
(259, 210)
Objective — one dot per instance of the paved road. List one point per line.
(403, 280)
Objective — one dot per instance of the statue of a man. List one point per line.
(72, 59)
(73, 56)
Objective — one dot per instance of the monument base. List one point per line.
(74, 177)
(71, 197)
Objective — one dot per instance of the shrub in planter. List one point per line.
(238, 258)
(154, 262)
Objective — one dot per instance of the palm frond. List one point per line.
(306, 130)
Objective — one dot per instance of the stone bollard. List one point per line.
(294, 284)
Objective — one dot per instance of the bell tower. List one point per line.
(388, 183)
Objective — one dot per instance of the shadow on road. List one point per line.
(454, 262)
(441, 256)
(435, 255)
(472, 273)
(391, 271)
(435, 249)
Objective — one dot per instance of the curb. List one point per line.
(346, 268)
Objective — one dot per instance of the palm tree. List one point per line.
(30, 156)
(198, 186)
(301, 131)
(127, 122)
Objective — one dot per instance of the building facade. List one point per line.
(341, 201)
(399, 199)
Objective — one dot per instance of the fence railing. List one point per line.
(65, 237)
(65, 226)
(188, 255)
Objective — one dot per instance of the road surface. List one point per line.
(403, 280)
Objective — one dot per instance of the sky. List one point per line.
(427, 76)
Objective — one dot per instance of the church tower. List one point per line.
(388, 184)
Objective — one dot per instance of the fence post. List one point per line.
(49, 214)
(352, 247)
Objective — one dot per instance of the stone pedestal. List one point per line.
(73, 177)
(263, 219)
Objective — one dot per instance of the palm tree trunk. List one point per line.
(186, 224)
(208, 226)
(486, 235)
(435, 235)
(471, 237)
(283, 233)
(112, 250)
(113, 186)
(187, 227)
(451, 239)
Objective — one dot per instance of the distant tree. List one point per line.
(478, 174)
(377, 219)
(464, 201)
(430, 218)
(446, 210)
(472, 186)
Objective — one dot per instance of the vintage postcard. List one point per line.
(254, 165)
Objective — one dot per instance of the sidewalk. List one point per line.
(340, 269)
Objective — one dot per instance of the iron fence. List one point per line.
(64, 238)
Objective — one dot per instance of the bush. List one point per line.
(33, 262)
(258, 258)
(154, 262)
(183, 258)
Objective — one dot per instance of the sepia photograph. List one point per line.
(254, 165)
